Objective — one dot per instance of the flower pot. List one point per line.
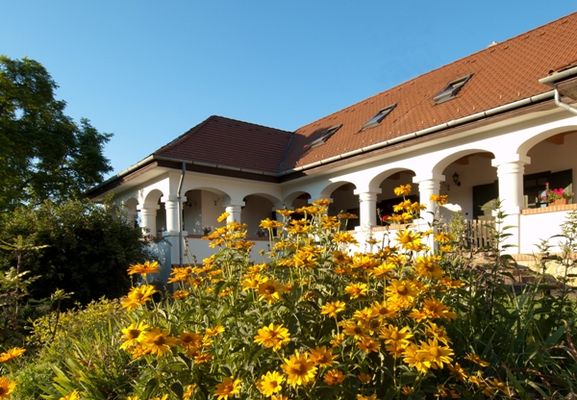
(557, 202)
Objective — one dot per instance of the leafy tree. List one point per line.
(44, 154)
(88, 248)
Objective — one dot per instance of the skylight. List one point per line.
(451, 90)
(378, 117)
(323, 137)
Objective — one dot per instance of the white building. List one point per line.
(500, 123)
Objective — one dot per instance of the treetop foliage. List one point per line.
(44, 154)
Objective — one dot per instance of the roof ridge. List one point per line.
(250, 123)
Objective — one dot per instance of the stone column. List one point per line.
(367, 209)
(148, 219)
(427, 187)
(234, 212)
(510, 176)
(172, 210)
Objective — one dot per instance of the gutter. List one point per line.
(426, 131)
(179, 197)
(553, 80)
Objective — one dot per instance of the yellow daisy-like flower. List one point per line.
(74, 395)
(222, 217)
(334, 377)
(144, 269)
(179, 274)
(322, 356)
(278, 397)
(410, 240)
(6, 387)
(402, 293)
(132, 333)
(270, 290)
(270, 224)
(189, 391)
(138, 296)
(428, 267)
(477, 360)
(191, 342)
(403, 190)
(368, 345)
(299, 369)
(270, 383)
(214, 331)
(228, 387)
(356, 290)
(11, 354)
(363, 397)
(436, 354)
(396, 340)
(337, 339)
(156, 342)
(333, 308)
(272, 336)
(440, 199)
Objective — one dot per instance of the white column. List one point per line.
(234, 212)
(172, 209)
(428, 186)
(148, 219)
(510, 176)
(367, 209)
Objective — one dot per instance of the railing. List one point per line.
(479, 234)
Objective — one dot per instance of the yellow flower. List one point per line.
(138, 296)
(144, 269)
(71, 396)
(344, 238)
(396, 340)
(428, 267)
(403, 190)
(368, 345)
(214, 331)
(270, 383)
(322, 356)
(189, 391)
(179, 274)
(191, 342)
(278, 397)
(272, 336)
(439, 198)
(356, 290)
(353, 329)
(432, 308)
(6, 387)
(401, 293)
(410, 240)
(364, 377)
(270, 224)
(228, 387)
(477, 360)
(222, 217)
(270, 290)
(156, 342)
(132, 333)
(337, 339)
(299, 369)
(333, 308)
(334, 377)
(180, 294)
(363, 397)
(436, 353)
(10, 354)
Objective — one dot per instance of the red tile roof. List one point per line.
(501, 74)
(225, 142)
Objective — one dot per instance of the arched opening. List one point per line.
(386, 197)
(344, 199)
(200, 210)
(256, 208)
(554, 173)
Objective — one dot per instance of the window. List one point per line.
(378, 117)
(324, 136)
(451, 90)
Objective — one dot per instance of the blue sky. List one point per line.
(147, 71)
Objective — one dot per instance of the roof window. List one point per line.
(324, 136)
(378, 117)
(451, 90)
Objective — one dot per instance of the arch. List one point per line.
(256, 208)
(376, 181)
(526, 146)
(273, 199)
(327, 191)
(444, 162)
(152, 198)
(290, 199)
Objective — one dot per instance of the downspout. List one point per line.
(179, 197)
(564, 106)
